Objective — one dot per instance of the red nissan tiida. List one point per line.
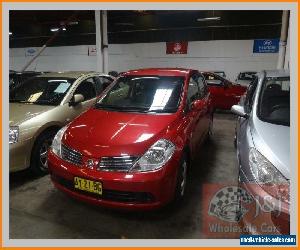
(133, 149)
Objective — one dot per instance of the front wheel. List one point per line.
(39, 160)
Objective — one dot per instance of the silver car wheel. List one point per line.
(43, 154)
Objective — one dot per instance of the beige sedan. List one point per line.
(40, 107)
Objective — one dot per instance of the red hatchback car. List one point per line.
(132, 150)
(224, 93)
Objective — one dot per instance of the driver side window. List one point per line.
(87, 89)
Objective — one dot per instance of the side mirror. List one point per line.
(239, 111)
(78, 98)
(197, 105)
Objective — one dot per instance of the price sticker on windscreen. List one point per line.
(62, 87)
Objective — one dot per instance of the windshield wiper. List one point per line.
(123, 108)
(165, 110)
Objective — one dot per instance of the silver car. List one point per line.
(263, 149)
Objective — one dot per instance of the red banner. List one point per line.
(176, 47)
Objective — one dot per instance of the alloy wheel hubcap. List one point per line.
(43, 154)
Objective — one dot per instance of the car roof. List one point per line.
(160, 71)
(277, 73)
(68, 74)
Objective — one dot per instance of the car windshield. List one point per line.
(274, 104)
(220, 73)
(41, 90)
(159, 94)
(246, 76)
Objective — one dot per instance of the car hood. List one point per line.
(273, 141)
(98, 132)
(20, 112)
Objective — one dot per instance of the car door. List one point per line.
(87, 88)
(205, 113)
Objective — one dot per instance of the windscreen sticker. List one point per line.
(62, 87)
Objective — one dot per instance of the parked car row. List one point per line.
(128, 142)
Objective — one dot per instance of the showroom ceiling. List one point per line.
(33, 28)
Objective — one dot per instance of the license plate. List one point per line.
(88, 185)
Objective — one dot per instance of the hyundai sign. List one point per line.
(266, 46)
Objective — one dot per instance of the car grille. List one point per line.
(118, 163)
(107, 194)
(71, 155)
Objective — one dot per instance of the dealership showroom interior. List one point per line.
(149, 124)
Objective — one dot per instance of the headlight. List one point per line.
(156, 156)
(13, 134)
(267, 176)
(56, 144)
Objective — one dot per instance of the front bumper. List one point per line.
(19, 155)
(275, 221)
(132, 191)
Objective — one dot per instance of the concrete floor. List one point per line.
(39, 211)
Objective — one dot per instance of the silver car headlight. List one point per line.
(268, 176)
(155, 157)
(13, 134)
(56, 144)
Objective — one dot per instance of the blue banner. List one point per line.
(268, 240)
(266, 46)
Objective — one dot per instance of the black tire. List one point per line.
(182, 179)
(38, 163)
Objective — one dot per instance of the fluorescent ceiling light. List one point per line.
(73, 23)
(10, 33)
(64, 29)
(217, 18)
(54, 29)
(125, 24)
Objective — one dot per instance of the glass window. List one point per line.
(213, 79)
(274, 104)
(87, 89)
(201, 85)
(246, 76)
(42, 90)
(250, 95)
(102, 83)
(144, 94)
(193, 90)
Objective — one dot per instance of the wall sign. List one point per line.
(30, 51)
(176, 47)
(266, 46)
(92, 51)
